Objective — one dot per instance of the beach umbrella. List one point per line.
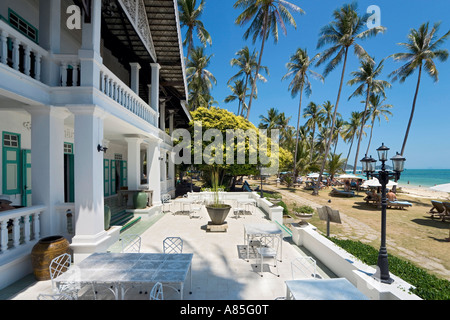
(348, 176)
(442, 187)
(375, 183)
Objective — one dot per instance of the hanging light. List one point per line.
(398, 162)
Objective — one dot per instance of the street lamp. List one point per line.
(260, 167)
(383, 176)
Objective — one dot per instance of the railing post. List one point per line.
(37, 225)
(37, 66)
(15, 56)
(27, 60)
(26, 228)
(3, 235)
(16, 232)
(4, 44)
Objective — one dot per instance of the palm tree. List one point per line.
(350, 130)
(335, 164)
(200, 80)
(313, 112)
(299, 68)
(247, 64)
(423, 48)
(189, 17)
(271, 121)
(366, 78)
(266, 15)
(376, 111)
(238, 92)
(342, 33)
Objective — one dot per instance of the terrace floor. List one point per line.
(219, 267)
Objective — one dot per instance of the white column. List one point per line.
(90, 235)
(154, 169)
(162, 116)
(90, 59)
(155, 86)
(47, 172)
(135, 67)
(134, 162)
(171, 116)
(50, 39)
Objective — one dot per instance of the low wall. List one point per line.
(345, 265)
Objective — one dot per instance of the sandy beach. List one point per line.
(424, 192)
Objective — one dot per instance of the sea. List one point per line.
(423, 177)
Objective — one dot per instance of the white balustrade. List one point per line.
(69, 66)
(114, 88)
(30, 55)
(19, 227)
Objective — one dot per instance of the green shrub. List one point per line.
(303, 209)
(285, 209)
(427, 286)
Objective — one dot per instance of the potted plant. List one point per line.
(217, 210)
(303, 212)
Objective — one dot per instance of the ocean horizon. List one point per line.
(424, 177)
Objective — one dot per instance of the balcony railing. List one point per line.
(19, 52)
(19, 227)
(114, 88)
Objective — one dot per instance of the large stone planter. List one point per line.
(218, 213)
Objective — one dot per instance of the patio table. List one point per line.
(324, 289)
(184, 202)
(119, 272)
(255, 230)
(247, 203)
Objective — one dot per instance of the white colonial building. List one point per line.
(77, 77)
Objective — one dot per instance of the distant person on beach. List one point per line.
(391, 196)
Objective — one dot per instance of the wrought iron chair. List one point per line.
(157, 292)
(173, 245)
(57, 267)
(238, 209)
(131, 243)
(56, 296)
(268, 249)
(166, 202)
(304, 267)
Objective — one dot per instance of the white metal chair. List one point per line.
(304, 267)
(173, 245)
(131, 243)
(268, 249)
(56, 296)
(57, 267)
(166, 202)
(238, 209)
(157, 292)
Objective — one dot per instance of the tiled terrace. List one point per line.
(219, 268)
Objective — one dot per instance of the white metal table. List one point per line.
(323, 289)
(122, 271)
(184, 202)
(255, 230)
(247, 203)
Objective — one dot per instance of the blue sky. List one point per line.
(428, 144)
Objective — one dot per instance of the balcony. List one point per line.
(44, 72)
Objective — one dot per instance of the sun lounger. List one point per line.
(398, 204)
(336, 192)
(446, 216)
(438, 209)
(376, 200)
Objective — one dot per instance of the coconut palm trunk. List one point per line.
(412, 110)
(266, 19)
(327, 150)
(296, 139)
(363, 122)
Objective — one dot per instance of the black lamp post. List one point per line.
(383, 176)
(260, 167)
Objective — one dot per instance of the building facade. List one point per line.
(90, 92)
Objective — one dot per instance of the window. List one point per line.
(10, 140)
(11, 163)
(68, 148)
(21, 25)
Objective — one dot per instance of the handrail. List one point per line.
(114, 88)
(22, 223)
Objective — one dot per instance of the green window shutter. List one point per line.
(106, 177)
(26, 178)
(113, 177)
(11, 165)
(124, 173)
